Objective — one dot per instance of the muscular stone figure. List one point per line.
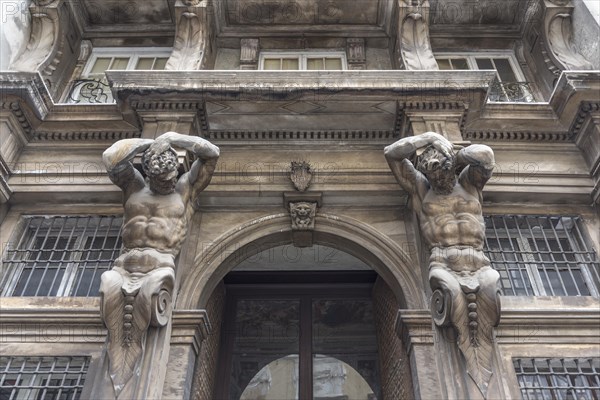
(446, 193)
(136, 292)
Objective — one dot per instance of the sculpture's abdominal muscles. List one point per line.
(154, 232)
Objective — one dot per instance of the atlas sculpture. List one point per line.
(445, 189)
(137, 292)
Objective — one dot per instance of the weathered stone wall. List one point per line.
(394, 363)
(207, 361)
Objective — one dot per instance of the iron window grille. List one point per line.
(37, 378)
(542, 256)
(60, 255)
(558, 378)
(93, 87)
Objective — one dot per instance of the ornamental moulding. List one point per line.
(557, 32)
(414, 47)
(193, 39)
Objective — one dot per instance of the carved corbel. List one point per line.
(249, 53)
(413, 48)
(557, 31)
(193, 47)
(47, 44)
(355, 53)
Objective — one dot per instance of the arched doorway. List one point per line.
(378, 255)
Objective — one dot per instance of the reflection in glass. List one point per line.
(276, 380)
(265, 350)
(334, 379)
(344, 331)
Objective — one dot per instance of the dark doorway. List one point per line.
(299, 335)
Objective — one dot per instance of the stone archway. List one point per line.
(354, 237)
(399, 285)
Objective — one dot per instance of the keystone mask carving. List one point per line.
(303, 215)
(136, 293)
(446, 191)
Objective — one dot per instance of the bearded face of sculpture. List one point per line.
(161, 170)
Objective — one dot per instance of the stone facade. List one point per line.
(199, 68)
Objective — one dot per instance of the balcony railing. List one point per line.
(90, 91)
(511, 91)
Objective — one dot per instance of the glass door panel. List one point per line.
(265, 350)
(344, 346)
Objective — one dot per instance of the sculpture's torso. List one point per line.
(454, 219)
(155, 226)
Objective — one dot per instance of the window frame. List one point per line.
(133, 53)
(71, 265)
(525, 254)
(471, 57)
(302, 57)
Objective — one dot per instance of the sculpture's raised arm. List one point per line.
(117, 160)
(478, 163)
(399, 153)
(202, 169)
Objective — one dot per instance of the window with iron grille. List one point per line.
(542, 255)
(60, 255)
(558, 378)
(37, 378)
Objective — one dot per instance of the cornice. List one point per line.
(84, 136)
(378, 136)
(527, 136)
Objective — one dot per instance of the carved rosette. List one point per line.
(131, 302)
(303, 215)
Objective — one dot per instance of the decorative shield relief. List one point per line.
(301, 175)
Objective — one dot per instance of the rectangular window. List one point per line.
(558, 378)
(509, 84)
(60, 255)
(313, 60)
(42, 378)
(93, 86)
(542, 256)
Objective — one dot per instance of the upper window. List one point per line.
(558, 378)
(60, 256)
(542, 255)
(42, 377)
(509, 85)
(93, 86)
(315, 61)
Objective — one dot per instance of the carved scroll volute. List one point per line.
(43, 41)
(130, 304)
(414, 47)
(192, 38)
(558, 32)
